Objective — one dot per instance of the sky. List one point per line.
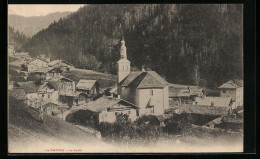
(40, 10)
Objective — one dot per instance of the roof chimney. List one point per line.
(143, 70)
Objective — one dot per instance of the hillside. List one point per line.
(27, 134)
(185, 43)
(16, 38)
(31, 25)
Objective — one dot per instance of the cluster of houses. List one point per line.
(137, 92)
(40, 84)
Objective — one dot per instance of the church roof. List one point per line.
(147, 79)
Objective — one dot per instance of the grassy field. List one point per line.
(27, 134)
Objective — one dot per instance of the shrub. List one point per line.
(177, 124)
(144, 128)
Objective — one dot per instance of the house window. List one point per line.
(137, 112)
(129, 112)
(49, 95)
(224, 91)
(116, 113)
(42, 95)
(151, 92)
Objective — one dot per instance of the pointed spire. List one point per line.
(123, 49)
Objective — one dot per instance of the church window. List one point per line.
(151, 92)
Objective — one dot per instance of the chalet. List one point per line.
(22, 55)
(64, 65)
(11, 50)
(90, 87)
(63, 85)
(36, 93)
(233, 89)
(43, 57)
(146, 89)
(108, 109)
(214, 101)
(17, 75)
(46, 73)
(53, 108)
(36, 64)
(18, 63)
(73, 98)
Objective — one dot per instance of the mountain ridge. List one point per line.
(33, 24)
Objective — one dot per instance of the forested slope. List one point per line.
(187, 44)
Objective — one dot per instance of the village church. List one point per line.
(146, 89)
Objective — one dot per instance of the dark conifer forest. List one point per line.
(185, 43)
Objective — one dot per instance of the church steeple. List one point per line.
(123, 49)
(123, 64)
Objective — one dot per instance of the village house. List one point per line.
(11, 50)
(63, 85)
(108, 109)
(36, 64)
(233, 89)
(44, 58)
(54, 108)
(146, 89)
(46, 73)
(64, 65)
(37, 92)
(17, 75)
(90, 87)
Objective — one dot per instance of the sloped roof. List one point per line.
(31, 87)
(145, 79)
(205, 110)
(19, 62)
(39, 59)
(218, 101)
(18, 93)
(232, 84)
(50, 101)
(105, 102)
(42, 70)
(54, 84)
(54, 62)
(85, 84)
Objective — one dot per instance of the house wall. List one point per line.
(67, 86)
(32, 99)
(110, 116)
(228, 93)
(235, 94)
(160, 101)
(140, 97)
(239, 97)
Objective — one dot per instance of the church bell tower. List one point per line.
(123, 64)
